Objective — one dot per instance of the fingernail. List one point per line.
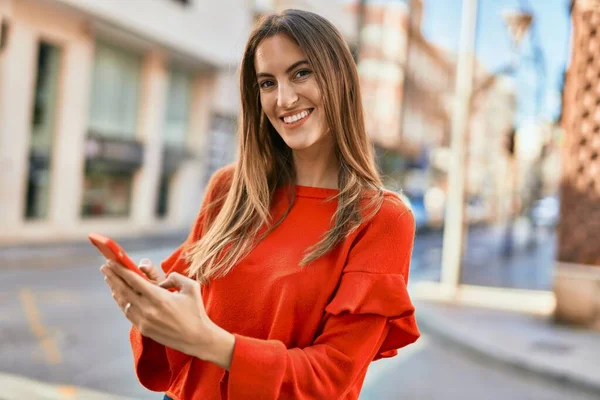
(145, 262)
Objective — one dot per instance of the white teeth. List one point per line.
(293, 118)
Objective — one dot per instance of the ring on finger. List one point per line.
(126, 308)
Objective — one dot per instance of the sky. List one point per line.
(551, 24)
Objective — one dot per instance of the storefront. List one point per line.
(101, 129)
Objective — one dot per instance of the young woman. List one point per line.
(293, 278)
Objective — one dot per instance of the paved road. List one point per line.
(483, 264)
(433, 371)
(60, 325)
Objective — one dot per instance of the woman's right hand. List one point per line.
(153, 273)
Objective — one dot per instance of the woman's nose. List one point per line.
(286, 96)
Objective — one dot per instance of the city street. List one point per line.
(60, 325)
(483, 115)
(483, 263)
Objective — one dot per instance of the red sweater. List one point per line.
(300, 333)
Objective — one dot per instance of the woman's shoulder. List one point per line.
(220, 180)
(393, 219)
(394, 209)
(384, 242)
(223, 174)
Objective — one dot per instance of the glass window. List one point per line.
(115, 86)
(178, 108)
(113, 122)
(162, 203)
(42, 131)
(107, 193)
(221, 143)
(176, 128)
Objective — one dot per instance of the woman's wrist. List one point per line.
(218, 349)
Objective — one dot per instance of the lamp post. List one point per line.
(517, 23)
(453, 244)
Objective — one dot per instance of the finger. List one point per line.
(177, 281)
(105, 265)
(138, 284)
(146, 262)
(121, 271)
(150, 274)
(121, 291)
(119, 298)
(129, 302)
(150, 270)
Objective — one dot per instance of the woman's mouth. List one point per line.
(293, 121)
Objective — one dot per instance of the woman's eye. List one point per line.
(302, 73)
(265, 84)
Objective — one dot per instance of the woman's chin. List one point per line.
(297, 143)
(303, 139)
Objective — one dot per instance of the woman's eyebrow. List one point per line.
(287, 71)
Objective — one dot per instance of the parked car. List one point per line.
(417, 205)
(476, 211)
(546, 211)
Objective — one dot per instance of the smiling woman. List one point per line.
(293, 278)
(290, 96)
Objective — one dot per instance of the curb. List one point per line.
(443, 328)
(16, 387)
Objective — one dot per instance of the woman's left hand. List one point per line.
(174, 319)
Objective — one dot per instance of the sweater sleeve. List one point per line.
(154, 363)
(369, 317)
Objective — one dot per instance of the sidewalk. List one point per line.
(528, 343)
(69, 254)
(19, 388)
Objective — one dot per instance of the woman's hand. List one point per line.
(154, 274)
(174, 319)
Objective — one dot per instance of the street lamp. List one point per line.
(453, 241)
(518, 23)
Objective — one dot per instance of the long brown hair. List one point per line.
(265, 162)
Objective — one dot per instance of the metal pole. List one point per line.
(454, 226)
(360, 24)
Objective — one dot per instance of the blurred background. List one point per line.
(485, 117)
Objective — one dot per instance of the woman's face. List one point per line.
(289, 94)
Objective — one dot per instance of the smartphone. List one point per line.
(112, 251)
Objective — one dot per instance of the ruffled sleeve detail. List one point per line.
(375, 278)
(371, 293)
(380, 294)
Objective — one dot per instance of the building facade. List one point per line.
(406, 83)
(113, 115)
(109, 113)
(577, 278)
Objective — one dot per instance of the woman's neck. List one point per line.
(317, 170)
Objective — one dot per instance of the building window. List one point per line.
(115, 87)
(107, 194)
(112, 153)
(221, 143)
(42, 131)
(177, 117)
(162, 203)
(178, 108)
